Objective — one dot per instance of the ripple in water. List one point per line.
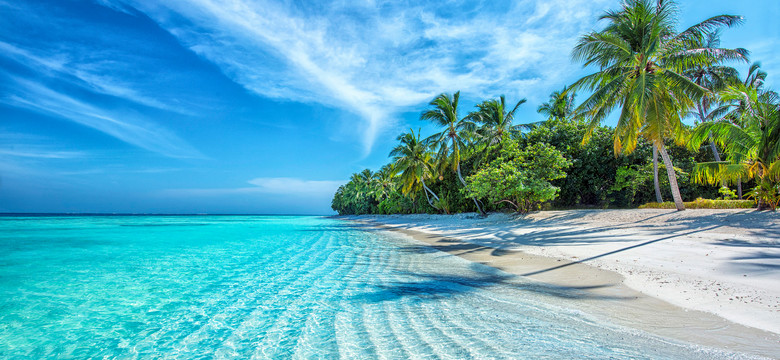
(275, 288)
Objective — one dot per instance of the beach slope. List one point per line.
(721, 262)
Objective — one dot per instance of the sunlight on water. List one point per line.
(274, 288)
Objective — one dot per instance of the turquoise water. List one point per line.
(274, 288)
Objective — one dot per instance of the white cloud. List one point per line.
(122, 125)
(90, 75)
(292, 186)
(39, 153)
(375, 59)
(269, 185)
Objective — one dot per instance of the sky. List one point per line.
(252, 106)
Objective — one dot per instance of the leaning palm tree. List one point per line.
(641, 60)
(451, 142)
(412, 159)
(495, 121)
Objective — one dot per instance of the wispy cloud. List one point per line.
(125, 126)
(91, 75)
(269, 185)
(40, 153)
(119, 170)
(282, 185)
(378, 58)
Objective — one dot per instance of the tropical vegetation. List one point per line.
(674, 95)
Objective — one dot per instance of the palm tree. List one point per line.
(359, 189)
(495, 121)
(452, 141)
(713, 76)
(750, 136)
(755, 77)
(754, 82)
(560, 106)
(641, 61)
(412, 158)
(384, 182)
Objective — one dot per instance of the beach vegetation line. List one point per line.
(649, 73)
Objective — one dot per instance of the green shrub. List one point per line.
(727, 193)
(520, 177)
(704, 204)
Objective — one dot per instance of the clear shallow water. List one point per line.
(274, 288)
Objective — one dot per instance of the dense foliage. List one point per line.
(656, 77)
(520, 177)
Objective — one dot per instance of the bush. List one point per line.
(520, 177)
(704, 204)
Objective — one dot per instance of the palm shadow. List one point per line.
(431, 287)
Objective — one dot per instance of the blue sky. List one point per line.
(241, 106)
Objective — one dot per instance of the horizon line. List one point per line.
(145, 214)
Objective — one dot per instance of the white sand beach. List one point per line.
(703, 262)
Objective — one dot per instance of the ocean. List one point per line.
(276, 287)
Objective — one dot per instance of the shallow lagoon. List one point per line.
(275, 287)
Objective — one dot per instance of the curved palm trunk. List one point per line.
(428, 190)
(657, 184)
(678, 203)
(464, 185)
(460, 176)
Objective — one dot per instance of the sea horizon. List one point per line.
(10, 214)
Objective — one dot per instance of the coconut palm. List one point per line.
(413, 160)
(560, 106)
(734, 110)
(755, 77)
(712, 75)
(451, 142)
(359, 190)
(495, 122)
(641, 62)
(750, 135)
(384, 182)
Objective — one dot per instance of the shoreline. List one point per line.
(637, 291)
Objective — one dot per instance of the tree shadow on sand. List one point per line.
(431, 287)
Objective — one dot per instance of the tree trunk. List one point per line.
(715, 151)
(759, 180)
(716, 155)
(702, 116)
(739, 187)
(427, 190)
(464, 185)
(678, 203)
(658, 197)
